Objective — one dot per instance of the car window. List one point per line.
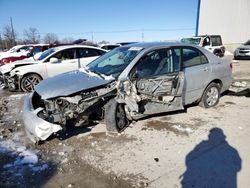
(46, 54)
(195, 41)
(216, 41)
(23, 49)
(192, 57)
(110, 47)
(65, 54)
(158, 62)
(115, 61)
(206, 42)
(88, 52)
(37, 49)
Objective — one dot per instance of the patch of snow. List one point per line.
(87, 71)
(239, 84)
(21, 156)
(180, 128)
(39, 168)
(110, 77)
(26, 157)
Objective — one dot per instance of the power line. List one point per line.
(123, 31)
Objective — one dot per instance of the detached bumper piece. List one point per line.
(36, 128)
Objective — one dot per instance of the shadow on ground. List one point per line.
(243, 93)
(212, 163)
(18, 170)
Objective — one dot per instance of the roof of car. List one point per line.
(154, 44)
(74, 46)
(110, 44)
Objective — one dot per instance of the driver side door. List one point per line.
(159, 81)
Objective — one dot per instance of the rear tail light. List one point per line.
(231, 65)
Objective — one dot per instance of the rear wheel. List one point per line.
(29, 81)
(115, 116)
(211, 96)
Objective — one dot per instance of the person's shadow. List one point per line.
(213, 163)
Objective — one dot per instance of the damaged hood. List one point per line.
(69, 83)
(10, 66)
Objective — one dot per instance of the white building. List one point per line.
(228, 18)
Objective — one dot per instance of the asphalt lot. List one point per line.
(205, 146)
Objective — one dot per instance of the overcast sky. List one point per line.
(112, 20)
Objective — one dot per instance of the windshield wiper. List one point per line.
(99, 74)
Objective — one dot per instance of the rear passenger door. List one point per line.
(86, 55)
(159, 81)
(197, 70)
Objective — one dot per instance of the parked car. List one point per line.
(110, 46)
(113, 46)
(60, 59)
(5, 70)
(125, 84)
(18, 50)
(32, 51)
(212, 43)
(125, 43)
(243, 52)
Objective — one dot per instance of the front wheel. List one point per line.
(211, 96)
(28, 82)
(115, 116)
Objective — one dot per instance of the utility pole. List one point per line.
(12, 31)
(1, 42)
(92, 37)
(142, 36)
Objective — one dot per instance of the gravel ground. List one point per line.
(205, 146)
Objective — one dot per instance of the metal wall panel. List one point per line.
(228, 18)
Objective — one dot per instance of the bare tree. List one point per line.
(67, 40)
(31, 35)
(9, 36)
(50, 38)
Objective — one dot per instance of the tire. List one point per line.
(236, 58)
(211, 96)
(29, 81)
(115, 116)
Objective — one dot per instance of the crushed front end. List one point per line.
(43, 117)
(13, 82)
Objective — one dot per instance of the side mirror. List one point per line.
(54, 60)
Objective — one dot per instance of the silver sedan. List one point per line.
(243, 52)
(126, 84)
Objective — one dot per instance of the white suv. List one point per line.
(212, 43)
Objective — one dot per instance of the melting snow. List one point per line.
(86, 71)
(23, 157)
(180, 128)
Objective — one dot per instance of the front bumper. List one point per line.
(36, 128)
(3, 80)
(14, 83)
(242, 54)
